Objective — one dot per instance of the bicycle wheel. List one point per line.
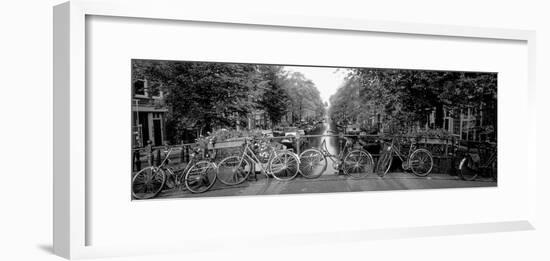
(312, 163)
(357, 164)
(233, 170)
(200, 177)
(468, 169)
(384, 163)
(148, 182)
(284, 166)
(421, 162)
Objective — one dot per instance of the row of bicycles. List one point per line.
(202, 172)
(273, 160)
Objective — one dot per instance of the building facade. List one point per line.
(148, 114)
(475, 123)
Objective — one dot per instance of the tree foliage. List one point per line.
(205, 96)
(407, 96)
(305, 98)
(274, 99)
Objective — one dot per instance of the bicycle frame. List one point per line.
(174, 172)
(349, 160)
(470, 169)
(173, 178)
(395, 149)
(336, 159)
(492, 158)
(251, 155)
(487, 161)
(165, 158)
(419, 160)
(323, 148)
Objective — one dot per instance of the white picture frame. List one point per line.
(70, 198)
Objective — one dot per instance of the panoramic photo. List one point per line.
(209, 129)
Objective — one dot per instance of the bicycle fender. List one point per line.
(461, 165)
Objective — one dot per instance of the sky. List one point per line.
(326, 79)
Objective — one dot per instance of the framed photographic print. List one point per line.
(237, 122)
(208, 129)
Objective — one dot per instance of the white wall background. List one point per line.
(26, 115)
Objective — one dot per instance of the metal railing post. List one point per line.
(157, 158)
(298, 144)
(136, 160)
(182, 153)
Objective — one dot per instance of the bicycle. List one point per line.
(281, 164)
(355, 163)
(419, 161)
(473, 165)
(150, 181)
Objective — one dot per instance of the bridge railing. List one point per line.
(445, 150)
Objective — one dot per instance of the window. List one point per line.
(144, 88)
(139, 87)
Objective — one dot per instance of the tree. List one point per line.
(274, 99)
(202, 95)
(408, 96)
(305, 98)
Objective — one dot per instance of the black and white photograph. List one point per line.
(266, 131)
(203, 129)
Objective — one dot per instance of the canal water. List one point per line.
(332, 142)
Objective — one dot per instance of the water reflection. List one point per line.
(332, 143)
